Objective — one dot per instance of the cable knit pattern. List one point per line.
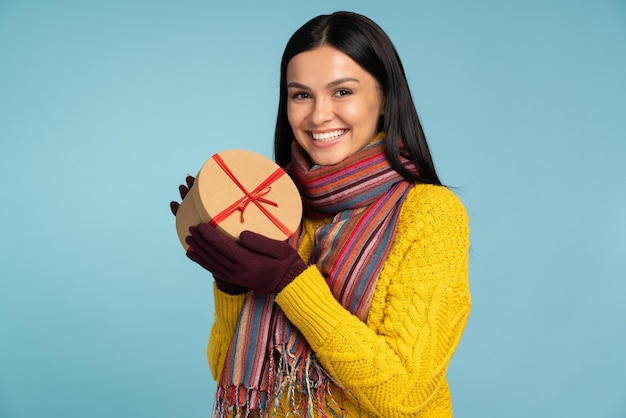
(395, 365)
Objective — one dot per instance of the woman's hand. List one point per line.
(229, 288)
(262, 264)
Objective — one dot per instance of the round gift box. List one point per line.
(239, 190)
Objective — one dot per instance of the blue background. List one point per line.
(106, 106)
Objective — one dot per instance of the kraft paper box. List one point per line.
(239, 190)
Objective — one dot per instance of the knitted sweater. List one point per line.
(395, 364)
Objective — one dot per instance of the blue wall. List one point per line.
(106, 106)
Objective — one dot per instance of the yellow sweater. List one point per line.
(395, 364)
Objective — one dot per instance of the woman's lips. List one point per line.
(328, 135)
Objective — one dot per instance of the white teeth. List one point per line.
(328, 135)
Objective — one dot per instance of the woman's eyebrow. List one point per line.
(297, 85)
(332, 84)
(340, 81)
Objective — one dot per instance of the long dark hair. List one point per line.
(369, 46)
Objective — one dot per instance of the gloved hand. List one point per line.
(231, 289)
(183, 192)
(262, 264)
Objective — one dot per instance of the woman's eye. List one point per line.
(343, 92)
(300, 96)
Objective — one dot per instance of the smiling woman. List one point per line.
(360, 311)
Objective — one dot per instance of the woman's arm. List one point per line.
(395, 364)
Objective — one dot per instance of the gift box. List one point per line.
(239, 190)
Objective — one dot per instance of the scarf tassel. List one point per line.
(301, 379)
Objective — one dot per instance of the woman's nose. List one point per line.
(322, 112)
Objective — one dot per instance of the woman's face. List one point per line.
(333, 104)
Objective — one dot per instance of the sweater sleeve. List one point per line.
(395, 364)
(227, 311)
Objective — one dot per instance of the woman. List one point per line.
(359, 313)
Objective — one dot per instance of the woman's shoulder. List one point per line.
(433, 202)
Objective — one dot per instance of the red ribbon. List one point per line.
(255, 196)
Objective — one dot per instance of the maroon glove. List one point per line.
(183, 192)
(262, 264)
(226, 287)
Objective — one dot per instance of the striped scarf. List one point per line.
(268, 356)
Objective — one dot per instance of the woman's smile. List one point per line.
(328, 136)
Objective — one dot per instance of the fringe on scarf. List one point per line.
(299, 379)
